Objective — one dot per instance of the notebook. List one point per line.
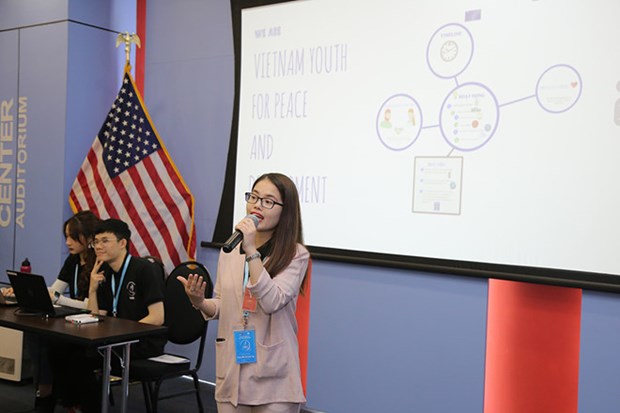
(33, 297)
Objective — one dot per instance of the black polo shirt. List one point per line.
(142, 286)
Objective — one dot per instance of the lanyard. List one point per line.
(246, 277)
(249, 301)
(116, 292)
(75, 286)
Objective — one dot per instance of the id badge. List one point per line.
(249, 301)
(245, 346)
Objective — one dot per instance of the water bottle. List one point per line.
(25, 266)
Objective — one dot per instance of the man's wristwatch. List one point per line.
(56, 297)
(252, 257)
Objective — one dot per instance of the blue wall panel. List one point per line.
(95, 71)
(9, 42)
(20, 13)
(45, 91)
(599, 364)
(117, 15)
(393, 340)
(190, 67)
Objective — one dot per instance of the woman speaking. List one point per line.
(257, 359)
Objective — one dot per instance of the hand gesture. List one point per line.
(97, 276)
(194, 287)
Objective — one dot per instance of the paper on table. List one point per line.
(169, 359)
(82, 319)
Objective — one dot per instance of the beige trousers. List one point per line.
(263, 408)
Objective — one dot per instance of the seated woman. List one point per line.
(74, 278)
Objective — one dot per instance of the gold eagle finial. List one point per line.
(128, 39)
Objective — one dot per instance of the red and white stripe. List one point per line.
(151, 197)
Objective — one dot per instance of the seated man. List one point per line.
(126, 287)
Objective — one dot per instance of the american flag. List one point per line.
(128, 174)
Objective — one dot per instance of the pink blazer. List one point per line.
(275, 377)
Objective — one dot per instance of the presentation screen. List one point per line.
(474, 133)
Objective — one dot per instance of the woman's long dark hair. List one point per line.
(289, 232)
(81, 227)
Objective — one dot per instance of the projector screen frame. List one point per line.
(538, 275)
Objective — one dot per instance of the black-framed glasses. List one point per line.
(264, 202)
(102, 241)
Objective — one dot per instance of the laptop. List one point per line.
(33, 297)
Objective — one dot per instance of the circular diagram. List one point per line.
(469, 116)
(450, 50)
(558, 88)
(399, 122)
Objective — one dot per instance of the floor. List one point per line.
(19, 398)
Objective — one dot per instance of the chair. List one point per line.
(159, 264)
(185, 326)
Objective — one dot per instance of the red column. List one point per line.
(140, 51)
(532, 356)
(303, 325)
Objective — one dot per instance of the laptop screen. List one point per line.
(31, 292)
(33, 296)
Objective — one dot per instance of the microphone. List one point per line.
(237, 236)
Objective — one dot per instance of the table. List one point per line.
(111, 332)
